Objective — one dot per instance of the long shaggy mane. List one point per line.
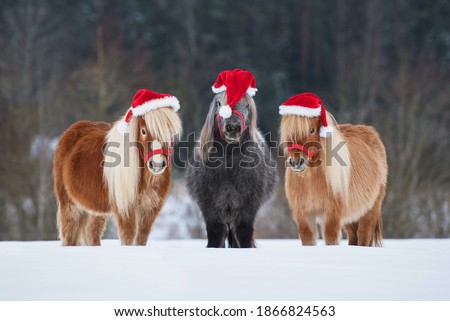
(296, 128)
(123, 180)
(207, 132)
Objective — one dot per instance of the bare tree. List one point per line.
(415, 131)
(26, 168)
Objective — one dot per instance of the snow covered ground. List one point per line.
(186, 270)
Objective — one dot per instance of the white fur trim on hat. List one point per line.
(218, 90)
(325, 130)
(252, 91)
(300, 111)
(169, 101)
(122, 127)
(225, 111)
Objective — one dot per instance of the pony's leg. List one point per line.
(232, 242)
(94, 228)
(244, 229)
(369, 226)
(216, 232)
(365, 230)
(127, 227)
(68, 216)
(352, 233)
(216, 229)
(244, 235)
(307, 229)
(332, 229)
(145, 225)
(69, 224)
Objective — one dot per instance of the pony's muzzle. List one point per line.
(232, 132)
(297, 164)
(157, 164)
(231, 128)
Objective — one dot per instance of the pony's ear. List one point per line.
(207, 133)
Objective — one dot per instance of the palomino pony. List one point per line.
(338, 177)
(98, 171)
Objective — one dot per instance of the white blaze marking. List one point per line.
(158, 159)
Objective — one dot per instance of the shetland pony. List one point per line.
(98, 171)
(340, 180)
(231, 175)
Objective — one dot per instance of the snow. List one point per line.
(415, 269)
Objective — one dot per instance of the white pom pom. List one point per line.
(225, 111)
(122, 127)
(251, 91)
(324, 131)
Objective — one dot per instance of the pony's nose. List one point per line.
(297, 162)
(157, 167)
(233, 128)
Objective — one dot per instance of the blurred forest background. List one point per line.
(382, 63)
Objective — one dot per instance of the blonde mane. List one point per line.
(123, 178)
(337, 175)
(164, 125)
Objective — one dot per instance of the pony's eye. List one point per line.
(143, 131)
(313, 130)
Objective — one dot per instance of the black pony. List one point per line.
(232, 173)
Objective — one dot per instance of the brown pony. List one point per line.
(99, 171)
(339, 179)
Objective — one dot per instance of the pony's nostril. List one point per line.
(163, 164)
(150, 163)
(229, 128)
(291, 162)
(238, 128)
(302, 161)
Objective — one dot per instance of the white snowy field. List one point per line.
(186, 270)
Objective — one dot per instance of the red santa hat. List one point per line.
(144, 101)
(307, 105)
(236, 83)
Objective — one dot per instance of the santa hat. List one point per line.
(307, 105)
(144, 101)
(237, 83)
